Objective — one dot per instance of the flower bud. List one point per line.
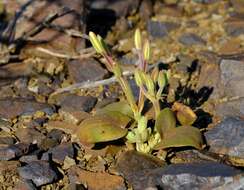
(147, 51)
(96, 43)
(154, 74)
(138, 77)
(137, 38)
(150, 85)
(162, 79)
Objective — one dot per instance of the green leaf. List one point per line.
(122, 119)
(100, 128)
(180, 137)
(165, 121)
(121, 107)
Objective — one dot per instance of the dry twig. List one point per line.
(93, 84)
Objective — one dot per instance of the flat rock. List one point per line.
(232, 108)
(85, 70)
(58, 153)
(14, 151)
(63, 126)
(29, 158)
(102, 180)
(76, 103)
(227, 138)
(39, 172)
(12, 107)
(223, 78)
(190, 39)
(161, 29)
(72, 116)
(38, 11)
(232, 77)
(234, 26)
(194, 176)
(7, 140)
(25, 185)
(120, 7)
(131, 162)
(29, 135)
(8, 166)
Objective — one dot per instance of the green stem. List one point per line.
(129, 95)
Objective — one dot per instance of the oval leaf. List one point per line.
(165, 121)
(100, 128)
(180, 137)
(120, 118)
(122, 107)
(184, 114)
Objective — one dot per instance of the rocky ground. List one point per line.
(46, 63)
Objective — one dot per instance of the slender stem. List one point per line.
(142, 66)
(156, 107)
(129, 95)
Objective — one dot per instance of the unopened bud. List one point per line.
(162, 79)
(147, 51)
(138, 41)
(138, 77)
(96, 43)
(150, 85)
(154, 74)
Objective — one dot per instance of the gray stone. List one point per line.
(189, 39)
(12, 107)
(28, 158)
(85, 70)
(209, 175)
(161, 29)
(40, 172)
(232, 77)
(225, 78)
(227, 137)
(120, 7)
(59, 153)
(14, 151)
(232, 108)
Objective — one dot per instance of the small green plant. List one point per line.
(128, 119)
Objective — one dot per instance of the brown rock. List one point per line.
(12, 107)
(234, 26)
(62, 125)
(120, 7)
(38, 11)
(73, 116)
(103, 180)
(29, 135)
(8, 166)
(131, 162)
(76, 103)
(85, 70)
(238, 5)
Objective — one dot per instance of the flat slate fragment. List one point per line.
(196, 176)
(40, 172)
(12, 107)
(227, 137)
